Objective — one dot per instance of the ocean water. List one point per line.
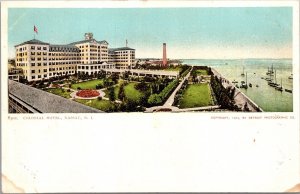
(265, 96)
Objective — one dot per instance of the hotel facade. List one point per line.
(39, 60)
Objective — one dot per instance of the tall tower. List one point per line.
(164, 54)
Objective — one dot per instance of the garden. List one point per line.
(122, 93)
(196, 95)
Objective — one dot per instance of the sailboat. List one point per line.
(270, 71)
(273, 84)
(279, 88)
(243, 74)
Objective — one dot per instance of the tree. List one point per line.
(111, 94)
(121, 94)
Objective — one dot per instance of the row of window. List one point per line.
(90, 67)
(38, 48)
(39, 70)
(64, 59)
(61, 68)
(39, 76)
(24, 48)
(92, 46)
(38, 64)
(63, 49)
(50, 74)
(64, 63)
(64, 54)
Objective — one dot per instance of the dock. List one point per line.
(239, 97)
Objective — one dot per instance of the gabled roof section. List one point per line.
(120, 49)
(33, 41)
(89, 41)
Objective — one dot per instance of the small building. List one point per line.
(123, 58)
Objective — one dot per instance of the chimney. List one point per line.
(164, 54)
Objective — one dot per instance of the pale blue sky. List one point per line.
(188, 32)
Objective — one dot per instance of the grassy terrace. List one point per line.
(87, 84)
(201, 72)
(196, 95)
(104, 105)
(131, 93)
(59, 92)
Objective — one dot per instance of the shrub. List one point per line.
(99, 98)
(68, 90)
(99, 86)
(78, 88)
(157, 99)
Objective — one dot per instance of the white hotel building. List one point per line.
(40, 60)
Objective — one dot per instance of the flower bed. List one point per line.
(87, 93)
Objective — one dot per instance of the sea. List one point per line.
(265, 96)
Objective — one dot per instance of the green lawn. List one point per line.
(116, 88)
(201, 72)
(59, 92)
(196, 95)
(87, 84)
(131, 93)
(104, 105)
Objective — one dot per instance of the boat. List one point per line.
(244, 84)
(250, 85)
(291, 76)
(273, 84)
(279, 87)
(288, 90)
(237, 86)
(257, 85)
(243, 74)
(270, 71)
(234, 82)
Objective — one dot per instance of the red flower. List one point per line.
(87, 93)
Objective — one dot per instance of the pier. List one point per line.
(239, 97)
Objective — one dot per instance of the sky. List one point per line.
(190, 33)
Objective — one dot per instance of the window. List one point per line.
(45, 70)
(32, 47)
(39, 76)
(38, 48)
(45, 64)
(44, 48)
(33, 77)
(45, 75)
(32, 64)
(32, 71)
(39, 64)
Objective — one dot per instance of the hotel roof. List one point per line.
(46, 102)
(90, 41)
(119, 49)
(33, 41)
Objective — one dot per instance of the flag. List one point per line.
(35, 29)
(126, 42)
